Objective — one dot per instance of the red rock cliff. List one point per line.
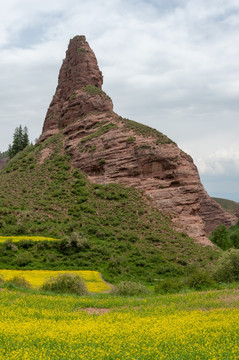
(111, 149)
(79, 89)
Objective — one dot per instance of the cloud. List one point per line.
(222, 162)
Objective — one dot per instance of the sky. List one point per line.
(170, 64)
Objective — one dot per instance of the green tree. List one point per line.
(20, 141)
(227, 268)
(220, 237)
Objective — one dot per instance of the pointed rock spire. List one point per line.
(79, 89)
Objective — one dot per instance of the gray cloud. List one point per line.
(172, 65)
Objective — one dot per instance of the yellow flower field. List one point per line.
(36, 278)
(20, 238)
(192, 326)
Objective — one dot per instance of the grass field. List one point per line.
(184, 326)
(36, 278)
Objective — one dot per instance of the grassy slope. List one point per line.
(127, 237)
(228, 205)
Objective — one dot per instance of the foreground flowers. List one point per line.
(190, 326)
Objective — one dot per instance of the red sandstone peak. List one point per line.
(79, 89)
(112, 149)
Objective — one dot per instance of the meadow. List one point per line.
(193, 325)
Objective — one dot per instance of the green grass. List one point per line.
(228, 205)
(145, 130)
(99, 132)
(94, 90)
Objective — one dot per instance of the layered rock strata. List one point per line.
(112, 149)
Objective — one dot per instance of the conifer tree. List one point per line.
(20, 141)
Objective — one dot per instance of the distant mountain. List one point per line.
(229, 205)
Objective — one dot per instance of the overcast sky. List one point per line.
(170, 64)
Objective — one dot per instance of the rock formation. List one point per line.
(79, 89)
(112, 149)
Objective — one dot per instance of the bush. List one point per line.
(18, 282)
(75, 240)
(199, 279)
(168, 286)
(24, 258)
(227, 268)
(220, 237)
(129, 288)
(66, 283)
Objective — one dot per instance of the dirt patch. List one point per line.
(45, 153)
(97, 311)
(230, 299)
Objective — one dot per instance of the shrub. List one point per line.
(227, 268)
(168, 286)
(129, 288)
(220, 237)
(75, 240)
(235, 240)
(65, 283)
(9, 245)
(17, 281)
(199, 278)
(24, 258)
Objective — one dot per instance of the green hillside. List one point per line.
(108, 228)
(229, 205)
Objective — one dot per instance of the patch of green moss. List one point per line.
(146, 131)
(130, 140)
(101, 131)
(72, 96)
(93, 90)
(81, 50)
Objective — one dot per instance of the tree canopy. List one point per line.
(20, 141)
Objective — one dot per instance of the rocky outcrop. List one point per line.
(213, 214)
(79, 89)
(112, 149)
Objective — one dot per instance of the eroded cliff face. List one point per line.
(112, 149)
